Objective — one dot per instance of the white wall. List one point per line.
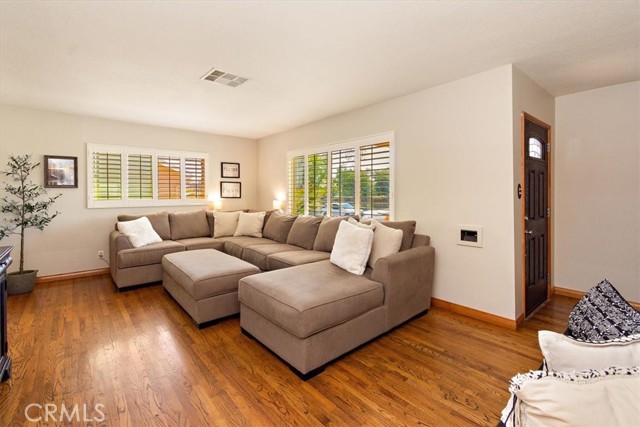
(454, 165)
(597, 214)
(73, 239)
(530, 98)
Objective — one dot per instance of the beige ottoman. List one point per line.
(205, 283)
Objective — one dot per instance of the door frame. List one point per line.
(524, 117)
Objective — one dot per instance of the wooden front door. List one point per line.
(536, 213)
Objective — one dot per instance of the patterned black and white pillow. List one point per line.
(603, 314)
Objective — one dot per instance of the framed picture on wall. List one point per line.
(60, 172)
(229, 170)
(230, 190)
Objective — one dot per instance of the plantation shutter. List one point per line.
(343, 182)
(140, 176)
(194, 177)
(169, 177)
(296, 185)
(374, 180)
(317, 165)
(107, 176)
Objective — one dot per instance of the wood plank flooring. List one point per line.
(137, 358)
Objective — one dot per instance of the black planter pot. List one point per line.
(20, 283)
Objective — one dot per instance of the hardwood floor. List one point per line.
(136, 359)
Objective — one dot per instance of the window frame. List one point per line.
(355, 144)
(125, 201)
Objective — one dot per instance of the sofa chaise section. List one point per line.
(311, 314)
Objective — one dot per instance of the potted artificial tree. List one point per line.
(23, 207)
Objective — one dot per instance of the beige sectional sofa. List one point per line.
(300, 305)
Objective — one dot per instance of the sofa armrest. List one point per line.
(407, 278)
(117, 242)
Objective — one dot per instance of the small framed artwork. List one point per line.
(229, 170)
(60, 172)
(230, 190)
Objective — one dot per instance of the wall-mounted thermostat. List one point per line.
(470, 235)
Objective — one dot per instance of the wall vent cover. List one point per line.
(224, 78)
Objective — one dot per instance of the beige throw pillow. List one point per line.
(386, 241)
(577, 398)
(562, 353)
(250, 224)
(139, 231)
(225, 223)
(352, 248)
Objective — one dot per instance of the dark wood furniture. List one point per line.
(5, 360)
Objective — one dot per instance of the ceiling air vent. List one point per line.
(224, 78)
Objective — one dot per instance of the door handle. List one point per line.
(529, 232)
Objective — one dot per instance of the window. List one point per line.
(140, 173)
(131, 176)
(317, 183)
(169, 185)
(106, 173)
(354, 177)
(535, 148)
(296, 195)
(374, 180)
(195, 178)
(343, 182)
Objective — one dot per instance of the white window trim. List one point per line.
(125, 201)
(355, 143)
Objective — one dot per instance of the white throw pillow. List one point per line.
(562, 353)
(352, 247)
(570, 399)
(386, 241)
(139, 231)
(250, 224)
(225, 223)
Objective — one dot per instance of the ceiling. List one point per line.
(142, 61)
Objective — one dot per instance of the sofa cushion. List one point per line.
(257, 255)
(603, 314)
(225, 223)
(304, 230)
(250, 224)
(147, 255)
(185, 225)
(278, 226)
(563, 353)
(310, 298)
(235, 245)
(202, 243)
(139, 231)
(293, 258)
(408, 230)
(352, 247)
(327, 233)
(159, 221)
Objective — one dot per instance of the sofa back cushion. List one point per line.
(408, 230)
(327, 233)
(189, 224)
(304, 230)
(159, 221)
(278, 227)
